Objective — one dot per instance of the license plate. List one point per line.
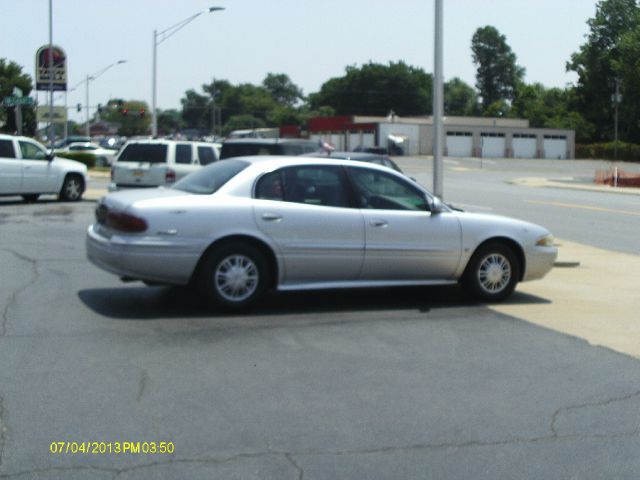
(138, 173)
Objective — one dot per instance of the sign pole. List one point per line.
(52, 132)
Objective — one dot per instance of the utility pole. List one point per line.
(438, 105)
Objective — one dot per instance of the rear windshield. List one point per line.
(247, 149)
(144, 153)
(209, 179)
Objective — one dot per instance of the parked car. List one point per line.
(242, 226)
(29, 170)
(71, 139)
(376, 158)
(152, 163)
(104, 157)
(242, 147)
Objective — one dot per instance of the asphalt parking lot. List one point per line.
(387, 383)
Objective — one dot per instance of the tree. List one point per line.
(194, 110)
(375, 89)
(11, 76)
(459, 98)
(132, 115)
(497, 75)
(282, 89)
(607, 56)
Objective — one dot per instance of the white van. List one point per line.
(152, 163)
(29, 170)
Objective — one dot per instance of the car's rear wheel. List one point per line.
(233, 276)
(31, 197)
(492, 273)
(72, 188)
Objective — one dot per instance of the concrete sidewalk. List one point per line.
(597, 301)
(538, 182)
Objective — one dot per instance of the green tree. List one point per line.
(11, 76)
(133, 116)
(282, 89)
(194, 110)
(498, 75)
(459, 98)
(609, 54)
(375, 89)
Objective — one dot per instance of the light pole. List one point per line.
(158, 38)
(438, 105)
(93, 77)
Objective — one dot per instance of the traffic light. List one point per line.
(100, 108)
(79, 107)
(124, 111)
(142, 112)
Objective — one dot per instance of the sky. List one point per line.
(309, 41)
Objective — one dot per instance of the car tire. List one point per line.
(492, 272)
(72, 188)
(31, 197)
(233, 276)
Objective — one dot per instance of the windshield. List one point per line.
(209, 179)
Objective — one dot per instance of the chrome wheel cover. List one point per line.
(236, 278)
(494, 273)
(72, 189)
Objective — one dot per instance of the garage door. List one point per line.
(493, 145)
(459, 144)
(555, 147)
(524, 146)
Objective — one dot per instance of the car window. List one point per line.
(148, 153)
(31, 151)
(269, 187)
(183, 153)
(381, 191)
(206, 155)
(6, 149)
(313, 185)
(209, 179)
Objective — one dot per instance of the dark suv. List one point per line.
(242, 147)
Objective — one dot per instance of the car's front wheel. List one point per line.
(72, 188)
(233, 276)
(492, 273)
(30, 198)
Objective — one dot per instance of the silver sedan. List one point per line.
(242, 226)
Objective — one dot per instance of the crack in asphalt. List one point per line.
(300, 470)
(14, 295)
(142, 384)
(602, 403)
(117, 472)
(2, 428)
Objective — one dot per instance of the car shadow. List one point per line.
(161, 303)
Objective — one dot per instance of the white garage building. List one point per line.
(465, 136)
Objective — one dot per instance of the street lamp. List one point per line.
(158, 38)
(93, 77)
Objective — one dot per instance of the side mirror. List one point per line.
(50, 155)
(436, 206)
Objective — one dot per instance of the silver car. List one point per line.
(242, 226)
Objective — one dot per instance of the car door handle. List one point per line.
(379, 223)
(271, 217)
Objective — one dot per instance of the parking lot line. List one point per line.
(583, 207)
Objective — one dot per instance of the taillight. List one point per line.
(125, 222)
(170, 176)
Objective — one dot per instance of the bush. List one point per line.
(627, 152)
(88, 159)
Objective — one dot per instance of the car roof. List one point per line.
(268, 141)
(346, 155)
(268, 162)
